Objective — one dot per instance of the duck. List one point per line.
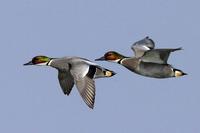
(148, 61)
(75, 70)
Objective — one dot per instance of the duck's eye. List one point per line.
(35, 60)
(109, 54)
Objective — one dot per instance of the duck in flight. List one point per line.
(147, 61)
(75, 70)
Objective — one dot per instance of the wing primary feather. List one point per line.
(159, 56)
(86, 88)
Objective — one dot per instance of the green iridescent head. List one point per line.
(39, 60)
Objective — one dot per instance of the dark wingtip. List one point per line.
(91, 107)
(66, 93)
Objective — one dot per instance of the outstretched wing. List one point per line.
(159, 56)
(141, 46)
(66, 81)
(83, 75)
(86, 88)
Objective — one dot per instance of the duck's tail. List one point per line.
(178, 73)
(103, 72)
(108, 73)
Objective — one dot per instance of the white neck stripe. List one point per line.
(49, 63)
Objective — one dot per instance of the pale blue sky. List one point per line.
(31, 99)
